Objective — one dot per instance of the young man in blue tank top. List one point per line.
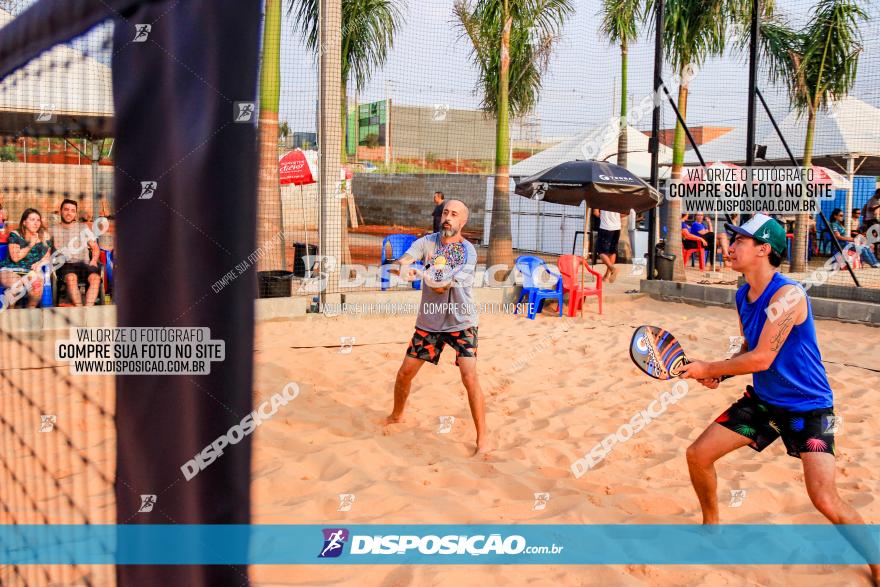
(790, 396)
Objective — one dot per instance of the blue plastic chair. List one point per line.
(528, 266)
(46, 301)
(4, 251)
(826, 243)
(108, 268)
(400, 244)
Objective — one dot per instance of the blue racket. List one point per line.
(658, 353)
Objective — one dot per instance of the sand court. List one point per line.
(549, 400)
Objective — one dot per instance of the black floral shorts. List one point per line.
(427, 346)
(763, 423)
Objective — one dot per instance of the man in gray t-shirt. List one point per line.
(447, 313)
(80, 255)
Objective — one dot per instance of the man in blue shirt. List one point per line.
(790, 396)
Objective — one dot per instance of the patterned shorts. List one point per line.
(427, 346)
(763, 423)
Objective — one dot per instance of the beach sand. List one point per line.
(549, 399)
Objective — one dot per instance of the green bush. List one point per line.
(7, 153)
(371, 140)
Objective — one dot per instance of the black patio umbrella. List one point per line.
(600, 184)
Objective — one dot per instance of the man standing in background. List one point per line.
(609, 236)
(438, 210)
(869, 212)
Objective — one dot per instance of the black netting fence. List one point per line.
(56, 176)
(416, 123)
(354, 168)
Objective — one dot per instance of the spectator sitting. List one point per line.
(67, 237)
(702, 228)
(856, 221)
(688, 239)
(29, 249)
(865, 252)
(870, 210)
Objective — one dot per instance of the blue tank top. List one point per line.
(796, 380)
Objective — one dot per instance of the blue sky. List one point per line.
(430, 64)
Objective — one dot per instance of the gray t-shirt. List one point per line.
(69, 239)
(454, 309)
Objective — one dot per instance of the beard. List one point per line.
(449, 232)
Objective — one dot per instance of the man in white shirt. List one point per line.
(606, 245)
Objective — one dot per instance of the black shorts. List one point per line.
(427, 346)
(82, 270)
(763, 423)
(607, 241)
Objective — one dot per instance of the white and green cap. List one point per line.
(763, 229)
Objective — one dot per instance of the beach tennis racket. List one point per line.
(659, 354)
(444, 264)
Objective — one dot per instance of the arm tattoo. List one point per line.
(784, 326)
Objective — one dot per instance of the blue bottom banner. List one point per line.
(420, 544)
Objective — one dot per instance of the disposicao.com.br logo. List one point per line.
(334, 540)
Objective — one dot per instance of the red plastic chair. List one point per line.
(687, 253)
(568, 267)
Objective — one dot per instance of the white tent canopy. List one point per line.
(847, 139)
(62, 83)
(585, 144)
(848, 127)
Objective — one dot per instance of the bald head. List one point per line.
(455, 216)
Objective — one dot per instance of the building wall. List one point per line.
(417, 132)
(701, 134)
(44, 185)
(407, 199)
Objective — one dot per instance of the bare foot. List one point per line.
(392, 419)
(483, 447)
(611, 275)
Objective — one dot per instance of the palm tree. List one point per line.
(693, 31)
(368, 29)
(512, 41)
(269, 223)
(619, 24)
(818, 65)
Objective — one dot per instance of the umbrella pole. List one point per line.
(714, 241)
(586, 250)
(306, 264)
